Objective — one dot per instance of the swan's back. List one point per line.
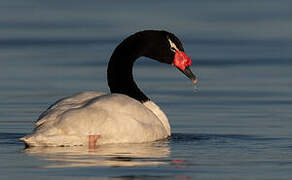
(64, 104)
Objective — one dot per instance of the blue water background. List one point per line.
(237, 126)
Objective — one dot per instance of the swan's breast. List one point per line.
(160, 114)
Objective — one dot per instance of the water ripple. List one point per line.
(185, 137)
(10, 138)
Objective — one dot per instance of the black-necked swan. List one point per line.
(126, 115)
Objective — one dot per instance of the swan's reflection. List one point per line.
(146, 154)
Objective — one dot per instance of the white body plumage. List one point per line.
(116, 117)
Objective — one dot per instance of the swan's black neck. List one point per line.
(119, 73)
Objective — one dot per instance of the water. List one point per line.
(236, 126)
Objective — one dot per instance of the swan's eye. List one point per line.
(172, 49)
(172, 46)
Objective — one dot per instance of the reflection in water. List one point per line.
(146, 154)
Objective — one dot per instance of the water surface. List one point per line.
(237, 126)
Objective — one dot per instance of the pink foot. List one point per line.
(92, 141)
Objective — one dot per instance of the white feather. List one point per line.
(116, 118)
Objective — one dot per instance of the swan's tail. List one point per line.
(32, 140)
(26, 141)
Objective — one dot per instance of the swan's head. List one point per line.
(167, 48)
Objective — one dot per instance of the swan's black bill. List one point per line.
(189, 74)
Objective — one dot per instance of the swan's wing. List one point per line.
(62, 105)
(116, 118)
